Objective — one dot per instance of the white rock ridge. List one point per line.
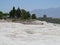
(21, 34)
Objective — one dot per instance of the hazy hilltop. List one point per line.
(50, 12)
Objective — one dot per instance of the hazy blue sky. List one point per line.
(6, 5)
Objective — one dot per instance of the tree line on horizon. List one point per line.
(25, 15)
(18, 13)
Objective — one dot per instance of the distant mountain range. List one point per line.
(51, 12)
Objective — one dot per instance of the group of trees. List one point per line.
(21, 13)
(49, 19)
(3, 15)
(15, 13)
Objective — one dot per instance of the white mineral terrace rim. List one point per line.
(20, 34)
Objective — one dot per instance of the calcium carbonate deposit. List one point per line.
(24, 34)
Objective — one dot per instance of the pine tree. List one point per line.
(44, 16)
(12, 13)
(28, 15)
(33, 16)
(18, 13)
